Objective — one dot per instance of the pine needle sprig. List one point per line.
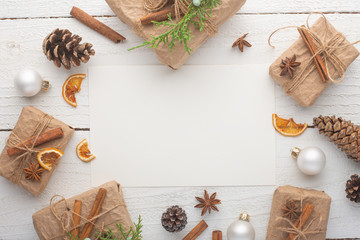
(180, 31)
(133, 234)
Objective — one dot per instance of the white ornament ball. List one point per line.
(29, 82)
(310, 160)
(196, 3)
(241, 229)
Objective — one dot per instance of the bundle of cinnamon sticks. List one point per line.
(89, 226)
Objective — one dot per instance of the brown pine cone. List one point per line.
(344, 134)
(353, 188)
(174, 219)
(65, 49)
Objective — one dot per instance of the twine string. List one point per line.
(24, 158)
(300, 233)
(65, 218)
(325, 48)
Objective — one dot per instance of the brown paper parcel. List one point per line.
(130, 12)
(307, 91)
(12, 167)
(48, 227)
(315, 226)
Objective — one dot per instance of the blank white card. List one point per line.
(198, 126)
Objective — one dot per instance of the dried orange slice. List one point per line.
(71, 86)
(288, 127)
(83, 151)
(48, 156)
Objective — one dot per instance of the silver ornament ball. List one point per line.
(29, 83)
(310, 160)
(197, 3)
(241, 229)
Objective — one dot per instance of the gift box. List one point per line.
(56, 221)
(130, 12)
(298, 213)
(336, 53)
(32, 122)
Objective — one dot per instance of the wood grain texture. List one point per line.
(20, 46)
(61, 8)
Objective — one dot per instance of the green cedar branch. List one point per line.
(180, 31)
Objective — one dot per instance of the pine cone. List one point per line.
(174, 219)
(353, 188)
(343, 133)
(64, 48)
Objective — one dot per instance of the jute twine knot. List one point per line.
(297, 231)
(65, 217)
(326, 49)
(181, 7)
(24, 158)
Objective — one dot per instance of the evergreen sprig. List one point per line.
(180, 31)
(133, 234)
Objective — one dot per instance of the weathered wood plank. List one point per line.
(61, 8)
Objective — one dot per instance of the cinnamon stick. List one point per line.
(158, 16)
(305, 214)
(320, 66)
(96, 25)
(95, 210)
(216, 235)
(76, 219)
(43, 138)
(196, 231)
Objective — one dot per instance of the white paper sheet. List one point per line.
(197, 126)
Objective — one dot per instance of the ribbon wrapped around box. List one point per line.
(55, 222)
(32, 123)
(130, 12)
(335, 51)
(298, 213)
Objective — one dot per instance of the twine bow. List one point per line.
(181, 7)
(326, 49)
(298, 231)
(24, 158)
(65, 218)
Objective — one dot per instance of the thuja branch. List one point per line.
(121, 234)
(180, 31)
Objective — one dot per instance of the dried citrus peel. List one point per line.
(83, 152)
(71, 86)
(288, 127)
(48, 156)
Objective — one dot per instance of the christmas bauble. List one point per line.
(29, 82)
(310, 160)
(196, 3)
(241, 229)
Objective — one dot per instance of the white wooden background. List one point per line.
(24, 24)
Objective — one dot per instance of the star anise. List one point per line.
(207, 203)
(33, 172)
(241, 42)
(291, 210)
(288, 66)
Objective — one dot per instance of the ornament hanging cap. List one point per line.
(244, 217)
(295, 152)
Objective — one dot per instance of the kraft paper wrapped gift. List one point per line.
(113, 211)
(306, 85)
(30, 121)
(314, 225)
(130, 12)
